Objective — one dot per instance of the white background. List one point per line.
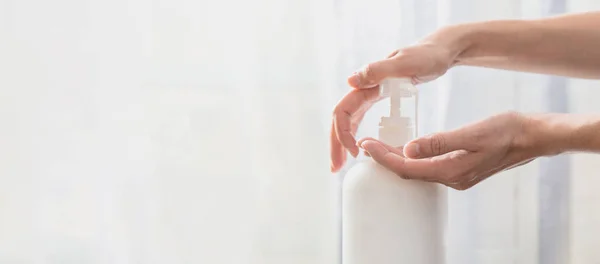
(196, 131)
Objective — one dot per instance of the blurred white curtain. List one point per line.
(196, 132)
(539, 213)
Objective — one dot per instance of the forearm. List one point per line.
(552, 134)
(567, 45)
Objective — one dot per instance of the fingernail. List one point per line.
(354, 152)
(362, 144)
(359, 143)
(354, 80)
(412, 150)
(370, 146)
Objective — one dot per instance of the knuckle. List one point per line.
(368, 72)
(437, 144)
(339, 111)
(336, 109)
(402, 175)
(507, 117)
(397, 169)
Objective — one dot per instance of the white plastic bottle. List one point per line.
(386, 219)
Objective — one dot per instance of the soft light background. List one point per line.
(180, 131)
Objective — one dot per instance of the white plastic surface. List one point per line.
(399, 127)
(386, 219)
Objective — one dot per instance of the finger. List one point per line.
(360, 141)
(344, 134)
(354, 127)
(356, 123)
(439, 143)
(355, 102)
(337, 152)
(359, 144)
(448, 169)
(422, 169)
(372, 74)
(397, 150)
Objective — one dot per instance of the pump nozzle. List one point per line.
(396, 129)
(396, 88)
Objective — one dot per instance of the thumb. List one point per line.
(437, 144)
(372, 74)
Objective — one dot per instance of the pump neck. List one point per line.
(397, 130)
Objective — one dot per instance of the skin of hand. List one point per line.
(564, 45)
(463, 157)
(424, 62)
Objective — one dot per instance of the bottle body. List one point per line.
(386, 219)
(389, 220)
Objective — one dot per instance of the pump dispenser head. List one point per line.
(398, 128)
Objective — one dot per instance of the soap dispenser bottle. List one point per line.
(387, 219)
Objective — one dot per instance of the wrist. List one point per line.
(545, 134)
(493, 42)
(553, 134)
(456, 39)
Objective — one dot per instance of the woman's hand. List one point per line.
(423, 62)
(464, 157)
